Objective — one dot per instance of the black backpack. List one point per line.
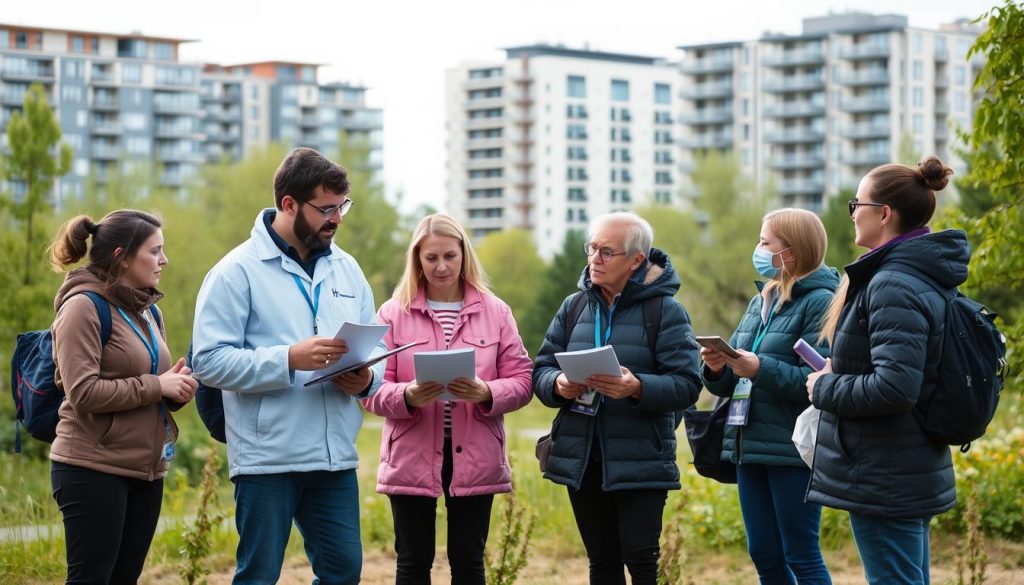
(652, 318)
(964, 400)
(210, 404)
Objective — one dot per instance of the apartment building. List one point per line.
(807, 115)
(552, 136)
(125, 98)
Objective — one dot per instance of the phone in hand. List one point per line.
(718, 344)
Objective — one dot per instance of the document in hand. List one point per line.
(361, 339)
(444, 366)
(580, 365)
(364, 364)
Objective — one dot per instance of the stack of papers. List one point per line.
(580, 365)
(444, 366)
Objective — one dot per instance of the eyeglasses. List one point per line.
(853, 203)
(328, 212)
(605, 253)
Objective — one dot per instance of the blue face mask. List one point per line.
(763, 262)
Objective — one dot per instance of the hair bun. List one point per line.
(934, 173)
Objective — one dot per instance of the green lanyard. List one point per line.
(764, 329)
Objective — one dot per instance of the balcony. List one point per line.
(483, 103)
(941, 107)
(865, 130)
(864, 78)
(496, 142)
(485, 123)
(176, 107)
(485, 163)
(794, 136)
(496, 81)
(105, 151)
(794, 83)
(178, 154)
(13, 98)
(42, 73)
(485, 222)
(175, 131)
(720, 141)
(865, 51)
(790, 162)
(102, 78)
(865, 104)
(701, 66)
(106, 128)
(801, 186)
(706, 91)
(707, 116)
(108, 104)
(485, 183)
(941, 55)
(794, 110)
(866, 158)
(793, 58)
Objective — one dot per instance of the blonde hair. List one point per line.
(803, 233)
(438, 224)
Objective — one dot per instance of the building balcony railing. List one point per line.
(105, 104)
(483, 103)
(941, 107)
(794, 83)
(485, 222)
(941, 132)
(801, 186)
(698, 66)
(106, 128)
(105, 151)
(485, 123)
(13, 98)
(483, 82)
(941, 54)
(44, 74)
(178, 155)
(865, 104)
(863, 131)
(861, 78)
(793, 136)
(485, 183)
(792, 58)
(174, 131)
(794, 110)
(706, 141)
(706, 90)
(492, 142)
(866, 158)
(102, 78)
(707, 116)
(485, 163)
(796, 161)
(865, 51)
(175, 107)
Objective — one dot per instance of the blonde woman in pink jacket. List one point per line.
(432, 446)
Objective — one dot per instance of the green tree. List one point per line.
(37, 158)
(514, 267)
(559, 280)
(907, 153)
(836, 216)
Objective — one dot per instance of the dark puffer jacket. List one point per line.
(779, 392)
(636, 439)
(872, 457)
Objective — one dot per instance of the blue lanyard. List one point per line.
(597, 325)
(314, 303)
(154, 355)
(764, 330)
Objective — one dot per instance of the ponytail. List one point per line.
(72, 242)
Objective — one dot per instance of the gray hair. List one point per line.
(639, 236)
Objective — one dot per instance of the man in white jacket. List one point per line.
(265, 319)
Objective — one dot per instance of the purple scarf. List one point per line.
(900, 238)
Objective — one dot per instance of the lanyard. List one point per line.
(597, 325)
(764, 329)
(154, 355)
(314, 303)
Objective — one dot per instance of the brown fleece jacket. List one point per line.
(110, 421)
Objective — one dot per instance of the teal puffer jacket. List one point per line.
(779, 393)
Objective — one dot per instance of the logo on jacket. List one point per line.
(337, 294)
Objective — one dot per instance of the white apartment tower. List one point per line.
(809, 114)
(552, 137)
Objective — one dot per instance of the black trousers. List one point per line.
(620, 527)
(109, 523)
(469, 518)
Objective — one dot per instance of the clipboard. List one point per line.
(363, 364)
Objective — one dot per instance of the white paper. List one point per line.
(444, 366)
(805, 434)
(580, 365)
(361, 339)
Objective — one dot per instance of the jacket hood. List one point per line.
(84, 279)
(939, 256)
(655, 277)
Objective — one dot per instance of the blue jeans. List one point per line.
(324, 506)
(782, 530)
(893, 550)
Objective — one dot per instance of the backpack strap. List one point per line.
(103, 308)
(576, 306)
(652, 321)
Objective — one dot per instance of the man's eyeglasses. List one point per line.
(605, 253)
(328, 212)
(853, 203)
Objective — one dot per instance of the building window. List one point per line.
(576, 86)
(131, 73)
(662, 178)
(918, 70)
(576, 153)
(163, 51)
(74, 69)
(917, 123)
(77, 44)
(576, 194)
(959, 74)
(576, 131)
(662, 94)
(578, 111)
(620, 90)
(918, 97)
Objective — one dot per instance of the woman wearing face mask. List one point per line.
(432, 446)
(766, 383)
(115, 434)
(885, 326)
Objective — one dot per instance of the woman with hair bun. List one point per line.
(115, 434)
(885, 328)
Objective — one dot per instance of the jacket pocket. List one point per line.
(397, 428)
(838, 441)
(485, 347)
(110, 434)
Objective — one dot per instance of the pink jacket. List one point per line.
(412, 443)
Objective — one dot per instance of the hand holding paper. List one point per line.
(444, 367)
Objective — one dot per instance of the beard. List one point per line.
(314, 239)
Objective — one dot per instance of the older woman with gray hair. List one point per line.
(613, 440)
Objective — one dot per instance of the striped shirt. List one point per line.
(446, 314)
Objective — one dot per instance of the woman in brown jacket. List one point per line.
(115, 433)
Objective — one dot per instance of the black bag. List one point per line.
(705, 430)
(210, 404)
(543, 451)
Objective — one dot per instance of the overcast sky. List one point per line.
(400, 49)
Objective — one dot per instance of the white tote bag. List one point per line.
(805, 433)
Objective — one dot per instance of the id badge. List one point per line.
(742, 389)
(586, 403)
(739, 409)
(168, 452)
